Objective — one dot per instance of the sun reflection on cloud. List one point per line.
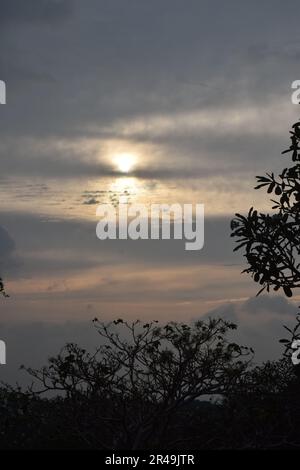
(126, 189)
(125, 162)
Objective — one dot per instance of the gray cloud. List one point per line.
(46, 11)
(8, 259)
(265, 303)
(76, 70)
(135, 55)
(7, 245)
(31, 344)
(136, 60)
(38, 235)
(260, 323)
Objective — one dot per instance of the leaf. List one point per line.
(271, 187)
(240, 246)
(260, 291)
(287, 290)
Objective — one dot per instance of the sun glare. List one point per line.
(125, 162)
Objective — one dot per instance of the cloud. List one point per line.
(39, 235)
(91, 202)
(133, 56)
(277, 305)
(143, 75)
(7, 245)
(46, 11)
(62, 266)
(32, 343)
(8, 260)
(202, 103)
(260, 322)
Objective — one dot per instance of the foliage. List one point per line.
(272, 241)
(2, 289)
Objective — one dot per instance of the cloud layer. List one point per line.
(200, 93)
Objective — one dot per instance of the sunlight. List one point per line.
(124, 186)
(125, 162)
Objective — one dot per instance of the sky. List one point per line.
(194, 98)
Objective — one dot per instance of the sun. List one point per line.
(125, 162)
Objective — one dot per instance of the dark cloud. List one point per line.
(114, 59)
(8, 260)
(33, 343)
(91, 202)
(7, 245)
(46, 11)
(119, 61)
(260, 323)
(38, 235)
(273, 304)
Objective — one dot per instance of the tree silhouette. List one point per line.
(141, 377)
(146, 387)
(2, 289)
(272, 241)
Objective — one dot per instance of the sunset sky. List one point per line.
(166, 101)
